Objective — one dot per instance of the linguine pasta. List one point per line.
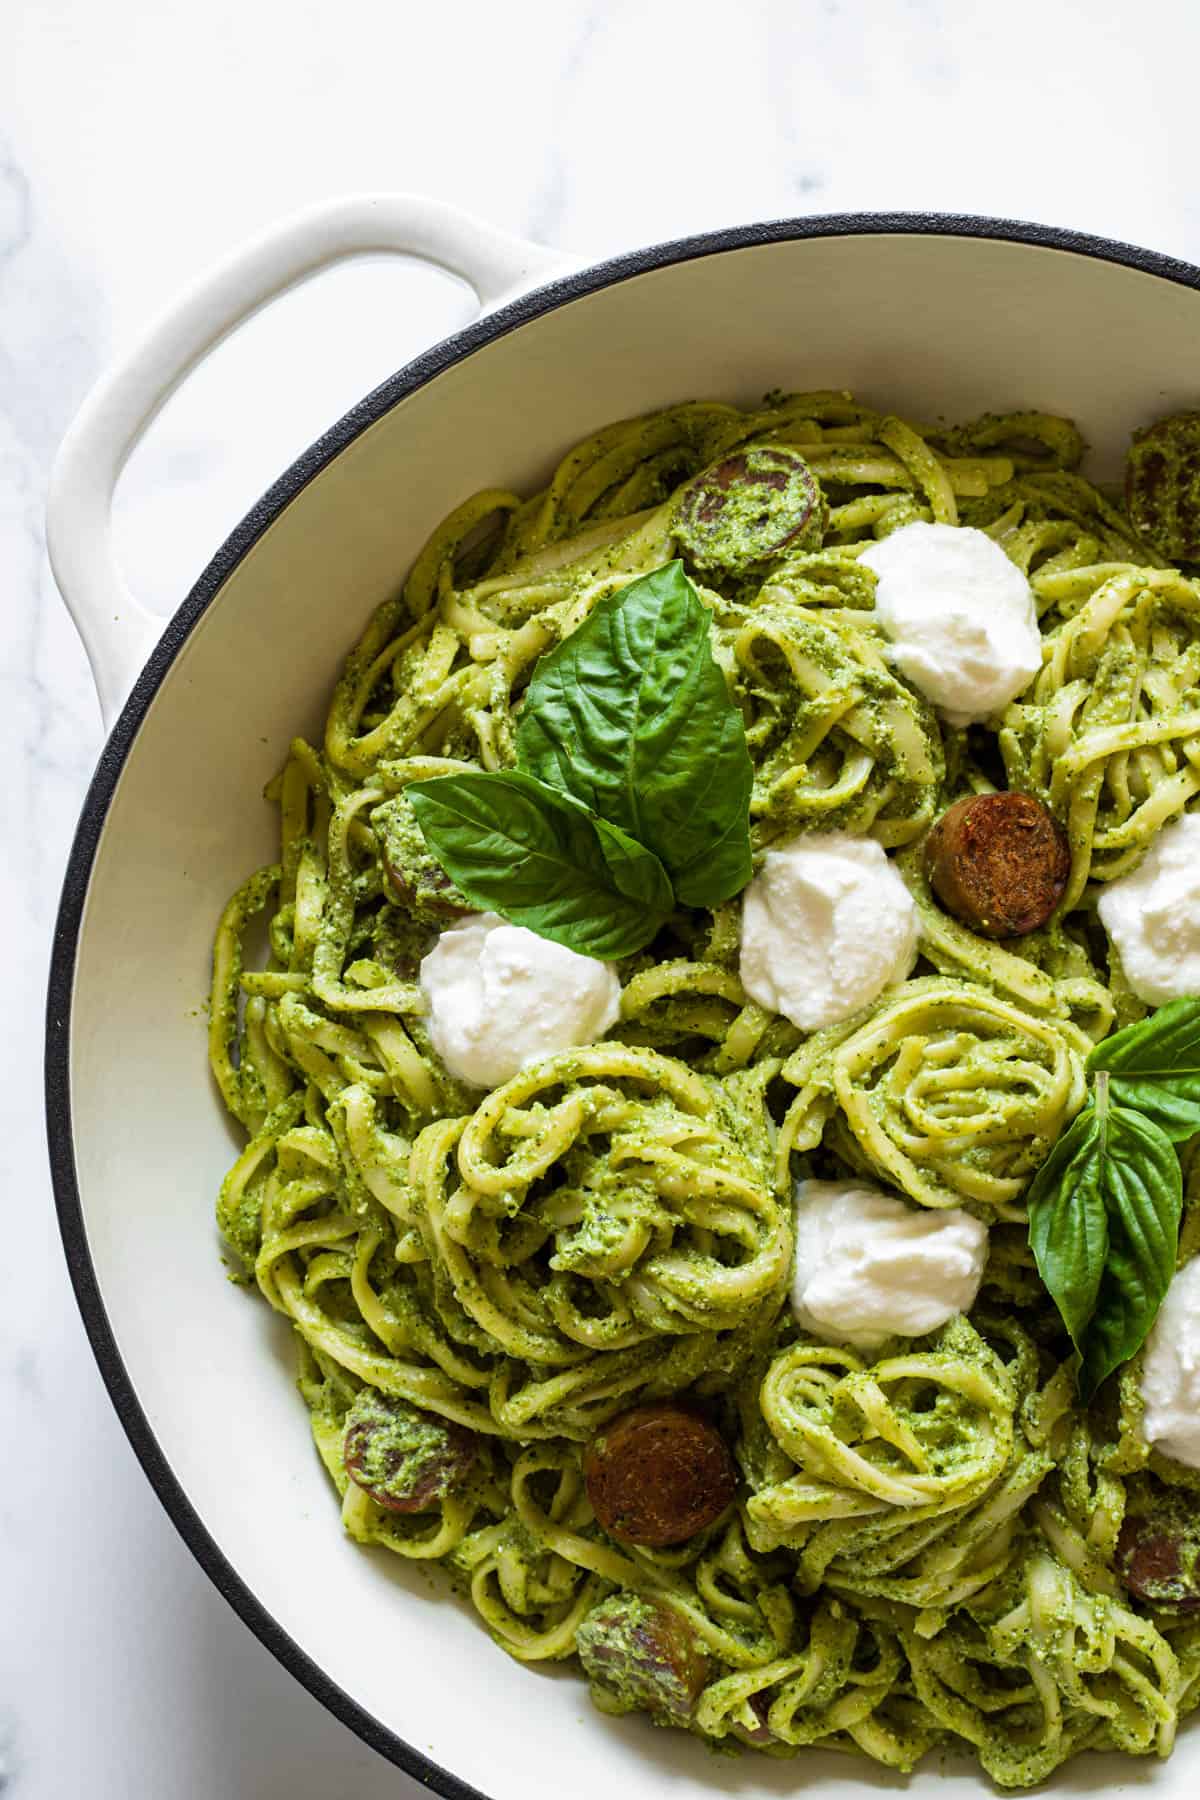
(923, 1547)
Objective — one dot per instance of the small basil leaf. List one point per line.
(1143, 1193)
(1154, 1066)
(1068, 1223)
(637, 872)
(631, 715)
(518, 848)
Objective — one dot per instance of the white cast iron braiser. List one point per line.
(927, 316)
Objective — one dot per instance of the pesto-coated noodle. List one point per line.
(923, 1550)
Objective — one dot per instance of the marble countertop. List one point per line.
(137, 144)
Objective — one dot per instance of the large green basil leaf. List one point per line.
(1068, 1223)
(631, 715)
(1104, 1214)
(533, 855)
(1154, 1066)
(1143, 1191)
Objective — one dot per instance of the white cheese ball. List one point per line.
(1171, 1371)
(1152, 916)
(500, 997)
(960, 616)
(826, 926)
(869, 1266)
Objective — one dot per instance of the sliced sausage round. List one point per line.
(748, 509)
(430, 893)
(659, 1474)
(406, 1459)
(415, 876)
(1162, 486)
(1158, 1553)
(998, 862)
(645, 1655)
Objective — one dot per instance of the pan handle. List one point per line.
(118, 634)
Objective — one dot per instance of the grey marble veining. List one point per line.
(138, 143)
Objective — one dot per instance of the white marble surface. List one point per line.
(137, 143)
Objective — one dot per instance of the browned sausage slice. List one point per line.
(998, 862)
(645, 1655)
(1158, 1551)
(1162, 485)
(417, 879)
(741, 513)
(407, 1460)
(658, 1475)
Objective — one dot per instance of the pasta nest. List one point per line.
(595, 1201)
(949, 1092)
(1095, 1674)
(1109, 737)
(838, 742)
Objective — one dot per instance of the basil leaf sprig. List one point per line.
(1104, 1225)
(1105, 1206)
(631, 715)
(632, 790)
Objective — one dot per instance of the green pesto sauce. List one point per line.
(396, 1449)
